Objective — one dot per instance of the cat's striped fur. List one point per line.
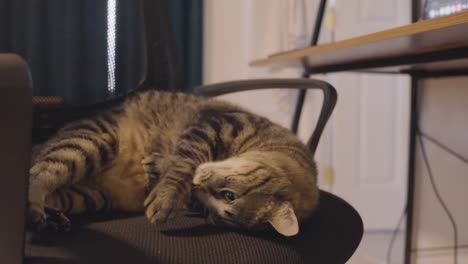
(157, 150)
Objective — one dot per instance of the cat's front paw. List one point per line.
(45, 219)
(162, 204)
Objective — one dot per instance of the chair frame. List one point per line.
(329, 97)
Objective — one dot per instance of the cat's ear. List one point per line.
(284, 220)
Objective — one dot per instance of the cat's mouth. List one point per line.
(217, 220)
(210, 214)
(211, 217)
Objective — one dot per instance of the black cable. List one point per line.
(428, 249)
(455, 247)
(461, 158)
(419, 136)
(444, 147)
(439, 197)
(394, 235)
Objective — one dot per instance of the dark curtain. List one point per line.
(188, 25)
(65, 45)
(158, 45)
(174, 44)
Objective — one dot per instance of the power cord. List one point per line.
(439, 197)
(455, 246)
(420, 135)
(394, 235)
(444, 147)
(428, 249)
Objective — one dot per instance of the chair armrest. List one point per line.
(329, 96)
(15, 151)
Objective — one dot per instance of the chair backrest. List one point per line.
(15, 149)
(329, 97)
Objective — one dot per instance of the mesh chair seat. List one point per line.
(330, 236)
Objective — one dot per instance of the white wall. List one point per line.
(444, 111)
(236, 32)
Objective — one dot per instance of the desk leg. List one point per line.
(411, 168)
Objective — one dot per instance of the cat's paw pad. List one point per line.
(57, 221)
(45, 219)
(36, 217)
(161, 206)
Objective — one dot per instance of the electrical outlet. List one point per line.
(329, 176)
(330, 20)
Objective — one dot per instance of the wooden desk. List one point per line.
(423, 47)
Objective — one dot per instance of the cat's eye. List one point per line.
(228, 196)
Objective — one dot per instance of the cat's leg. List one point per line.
(79, 198)
(73, 200)
(199, 143)
(172, 191)
(79, 150)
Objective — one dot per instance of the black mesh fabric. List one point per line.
(330, 236)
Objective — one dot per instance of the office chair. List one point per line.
(331, 235)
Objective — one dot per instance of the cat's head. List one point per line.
(256, 189)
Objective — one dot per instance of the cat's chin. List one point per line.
(219, 221)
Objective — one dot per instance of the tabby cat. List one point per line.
(158, 151)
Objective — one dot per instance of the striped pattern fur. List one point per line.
(158, 151)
